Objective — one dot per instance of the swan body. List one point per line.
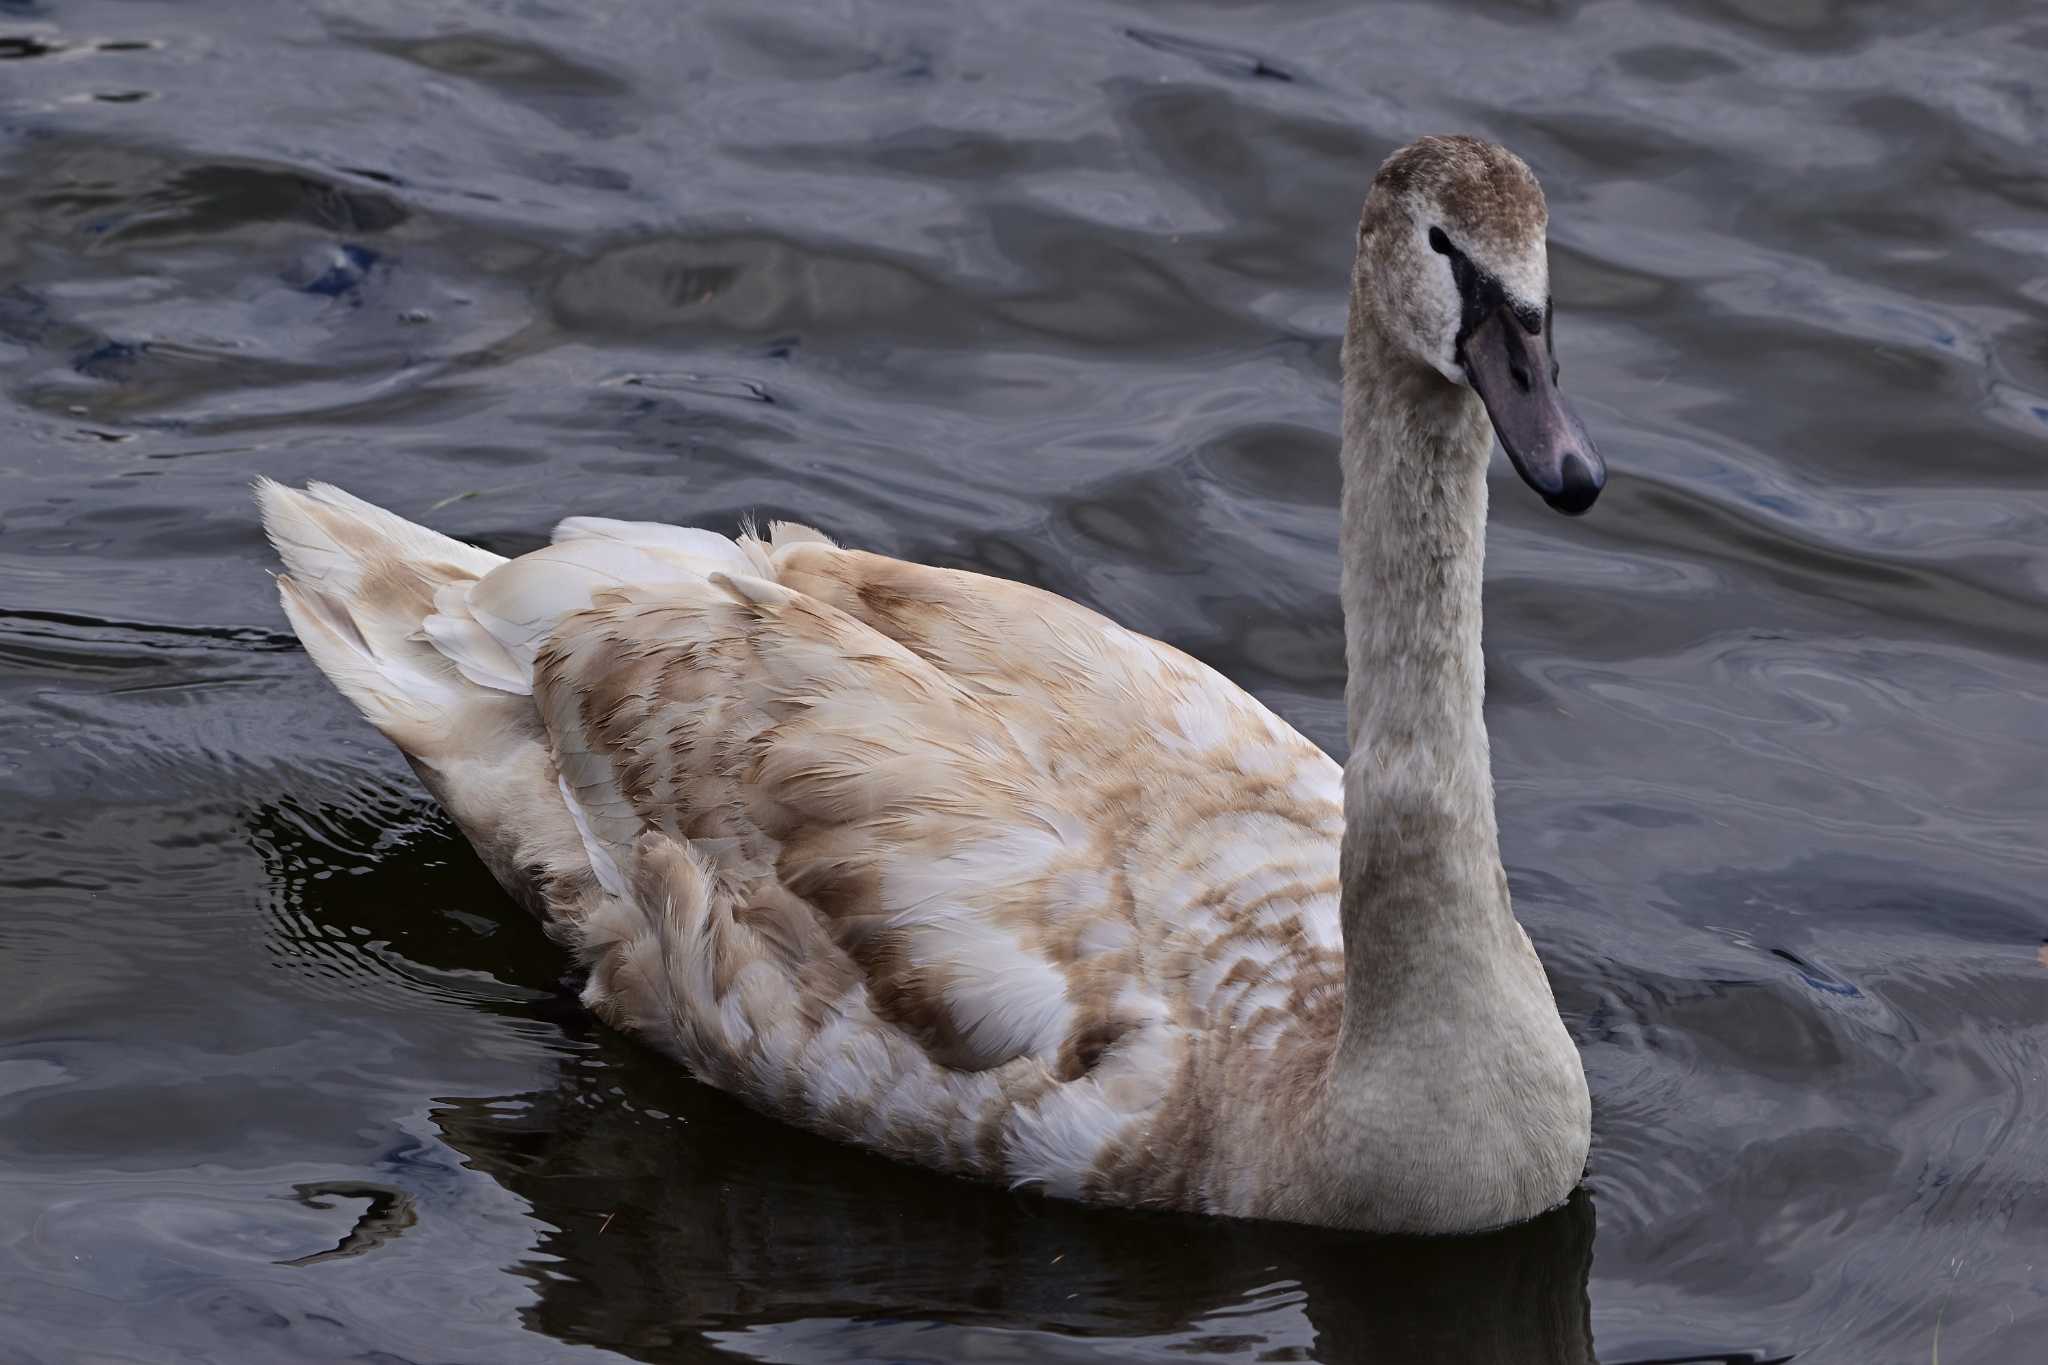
(963, 872)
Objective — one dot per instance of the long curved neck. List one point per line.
(1422, 888)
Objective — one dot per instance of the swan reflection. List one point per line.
(677, 1219)
(672, 1224)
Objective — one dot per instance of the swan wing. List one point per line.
(996, 902)
(944, 865)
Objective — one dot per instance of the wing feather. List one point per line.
(933, 861)
(980, 791)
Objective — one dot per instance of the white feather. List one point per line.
(601, 861)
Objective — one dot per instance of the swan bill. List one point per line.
(1509, 363)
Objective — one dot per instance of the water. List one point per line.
(1051, 291)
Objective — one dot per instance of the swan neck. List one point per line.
(1422, 887)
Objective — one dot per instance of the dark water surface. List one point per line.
(1053, 291)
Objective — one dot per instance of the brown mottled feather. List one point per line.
(961, 815)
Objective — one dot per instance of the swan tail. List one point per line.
(381, 605)
(359, 583)
(436, 643)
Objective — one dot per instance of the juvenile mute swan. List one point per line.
(965, 873)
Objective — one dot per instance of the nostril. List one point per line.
(1520, 374)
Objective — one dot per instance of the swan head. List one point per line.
(1453, 267)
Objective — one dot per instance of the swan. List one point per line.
(965, 873)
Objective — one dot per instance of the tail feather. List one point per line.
(476, 653)
(328, 538)
(435, 641)
(410, 624)
(360, 582)
(365, 591)
(401, 699)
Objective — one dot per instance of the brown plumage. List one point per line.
(968, 874)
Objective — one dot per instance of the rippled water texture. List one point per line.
(1053, 291)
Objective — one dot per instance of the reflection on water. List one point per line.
(666, 1215)
(818, 1254)
(1053, 292)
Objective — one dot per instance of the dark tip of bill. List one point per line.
(1579, 483)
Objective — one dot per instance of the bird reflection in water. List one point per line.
(674, 1224)
(677, 1215)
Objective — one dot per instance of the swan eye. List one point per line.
(1462, 273)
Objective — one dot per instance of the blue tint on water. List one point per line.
(342, 271)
